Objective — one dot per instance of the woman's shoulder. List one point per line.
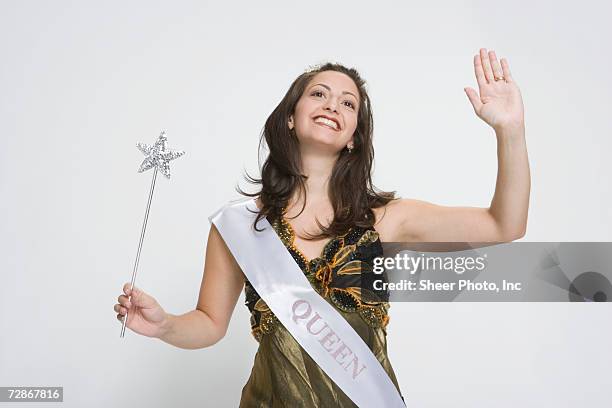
(389, 218)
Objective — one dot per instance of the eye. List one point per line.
(316, 92)
(351, 104)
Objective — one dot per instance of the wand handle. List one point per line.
(142, 234)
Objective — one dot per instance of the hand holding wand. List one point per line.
(158, 156)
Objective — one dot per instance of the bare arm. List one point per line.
(221, 285)
(500, 105)
(510, 205)
(409, 220)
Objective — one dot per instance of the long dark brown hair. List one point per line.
(351, 191)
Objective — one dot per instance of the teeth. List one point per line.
(327, 122)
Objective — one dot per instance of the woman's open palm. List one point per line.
(498, 102)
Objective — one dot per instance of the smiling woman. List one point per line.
(320, 141)
(323, 225)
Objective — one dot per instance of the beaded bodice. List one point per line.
(339, 275)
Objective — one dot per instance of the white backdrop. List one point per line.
(82, 82)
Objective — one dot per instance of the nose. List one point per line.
(331, 105)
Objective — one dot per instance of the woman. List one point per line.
(318, 196)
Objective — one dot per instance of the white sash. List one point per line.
(319, 328)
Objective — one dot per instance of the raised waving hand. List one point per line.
(498, 101)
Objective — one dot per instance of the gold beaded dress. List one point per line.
(283, 374)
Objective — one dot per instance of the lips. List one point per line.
(329, 118)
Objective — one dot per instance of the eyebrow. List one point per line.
(329, 89)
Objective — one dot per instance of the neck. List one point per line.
(318, 167)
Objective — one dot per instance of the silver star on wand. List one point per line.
(158, 156)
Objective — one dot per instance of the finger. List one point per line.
(480, 78)
(126, 288)
(486, 65)
(120, 309)
(124, 301)
(497, 70)
(506, 70)
(141, 299)
(474, 98)
(120, 318)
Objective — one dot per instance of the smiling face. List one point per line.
(326, 114)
